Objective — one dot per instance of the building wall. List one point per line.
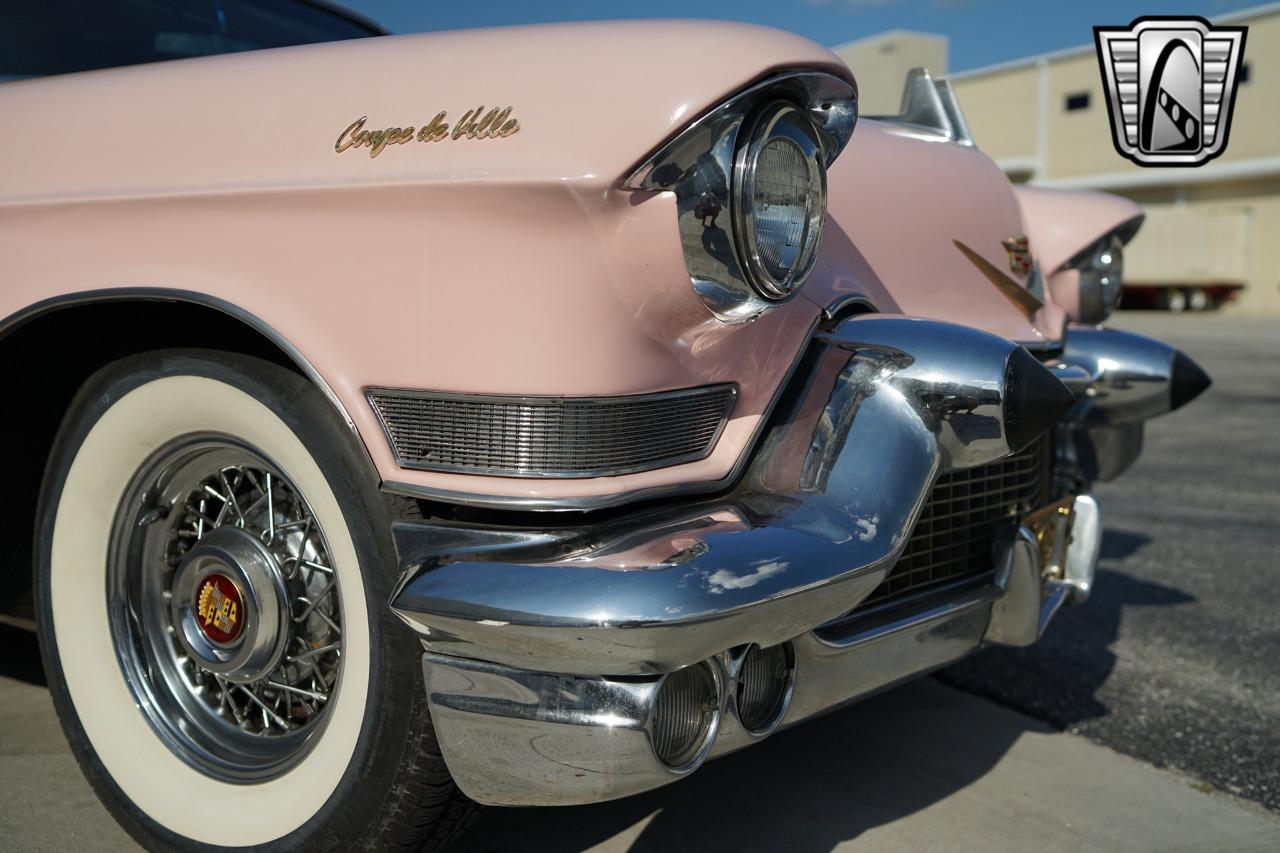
(880, 64)
(1216, 223)
(1001, 109)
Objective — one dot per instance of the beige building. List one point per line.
(882, 61)
(1044, 120)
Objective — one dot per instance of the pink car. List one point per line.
(412, 422)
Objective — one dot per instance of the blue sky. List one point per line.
(982, 32)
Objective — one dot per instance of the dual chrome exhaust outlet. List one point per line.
(556, 739)
(754, 686)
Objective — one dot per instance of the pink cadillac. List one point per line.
(404, 423)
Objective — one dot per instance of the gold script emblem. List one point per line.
(496, 123)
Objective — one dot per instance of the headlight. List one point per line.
(1101, 268)
(780, 200)
(749, 179)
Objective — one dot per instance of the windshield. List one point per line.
(59, 36)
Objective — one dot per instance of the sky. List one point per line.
(982, 32)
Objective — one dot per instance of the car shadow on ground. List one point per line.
(1058, 678)
(831, 780)
(806, 789)
(879, 761)
(21, 658)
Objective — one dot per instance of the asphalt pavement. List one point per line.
(1147, 720)
(1175, 659)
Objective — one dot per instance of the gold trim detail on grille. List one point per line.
(955, 535)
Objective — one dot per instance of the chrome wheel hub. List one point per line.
(225, 608)
(230, 605)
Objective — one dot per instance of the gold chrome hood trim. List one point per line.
(1023, 299)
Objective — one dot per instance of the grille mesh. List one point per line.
(552, 436)
(956, 532)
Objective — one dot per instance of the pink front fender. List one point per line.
(1061, 223)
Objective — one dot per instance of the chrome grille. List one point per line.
(552, 436)
(956, 532)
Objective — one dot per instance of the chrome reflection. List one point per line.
(930, 106)
(518, 737)
(1123, 380)
(823, 511)
(698, 167)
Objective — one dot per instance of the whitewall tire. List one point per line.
(213, 566)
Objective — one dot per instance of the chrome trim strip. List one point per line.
(834, 311)
(160, 294)
(605, 403)
(916, 609)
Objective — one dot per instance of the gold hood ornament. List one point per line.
(1022, 298)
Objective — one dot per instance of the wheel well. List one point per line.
(46, 358)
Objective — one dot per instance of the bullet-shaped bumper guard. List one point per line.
(1123, 380)
(882, 407)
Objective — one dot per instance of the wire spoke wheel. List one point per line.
(226, 613)
(214, 557)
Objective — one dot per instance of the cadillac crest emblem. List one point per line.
(1019, 250)
(1171, 86)
(219, 609)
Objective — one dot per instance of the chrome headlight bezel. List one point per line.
(779, 122)
(1101, 270)
(700, 164)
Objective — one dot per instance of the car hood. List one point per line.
(589, 99)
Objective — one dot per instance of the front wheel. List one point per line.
(213, 566)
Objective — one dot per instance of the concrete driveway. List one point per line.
(924, 767)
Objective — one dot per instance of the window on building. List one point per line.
(1077, 101)
(1244, 72)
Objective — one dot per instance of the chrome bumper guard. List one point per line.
(556, 653)
(519, 737)
(884, 406)
(548, 647)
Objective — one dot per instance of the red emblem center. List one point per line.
(219, 609)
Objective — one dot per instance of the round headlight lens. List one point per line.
(1100, 279)
(780, 190)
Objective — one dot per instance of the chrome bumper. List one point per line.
(549, 645)
(817, 520)
(518, 737)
